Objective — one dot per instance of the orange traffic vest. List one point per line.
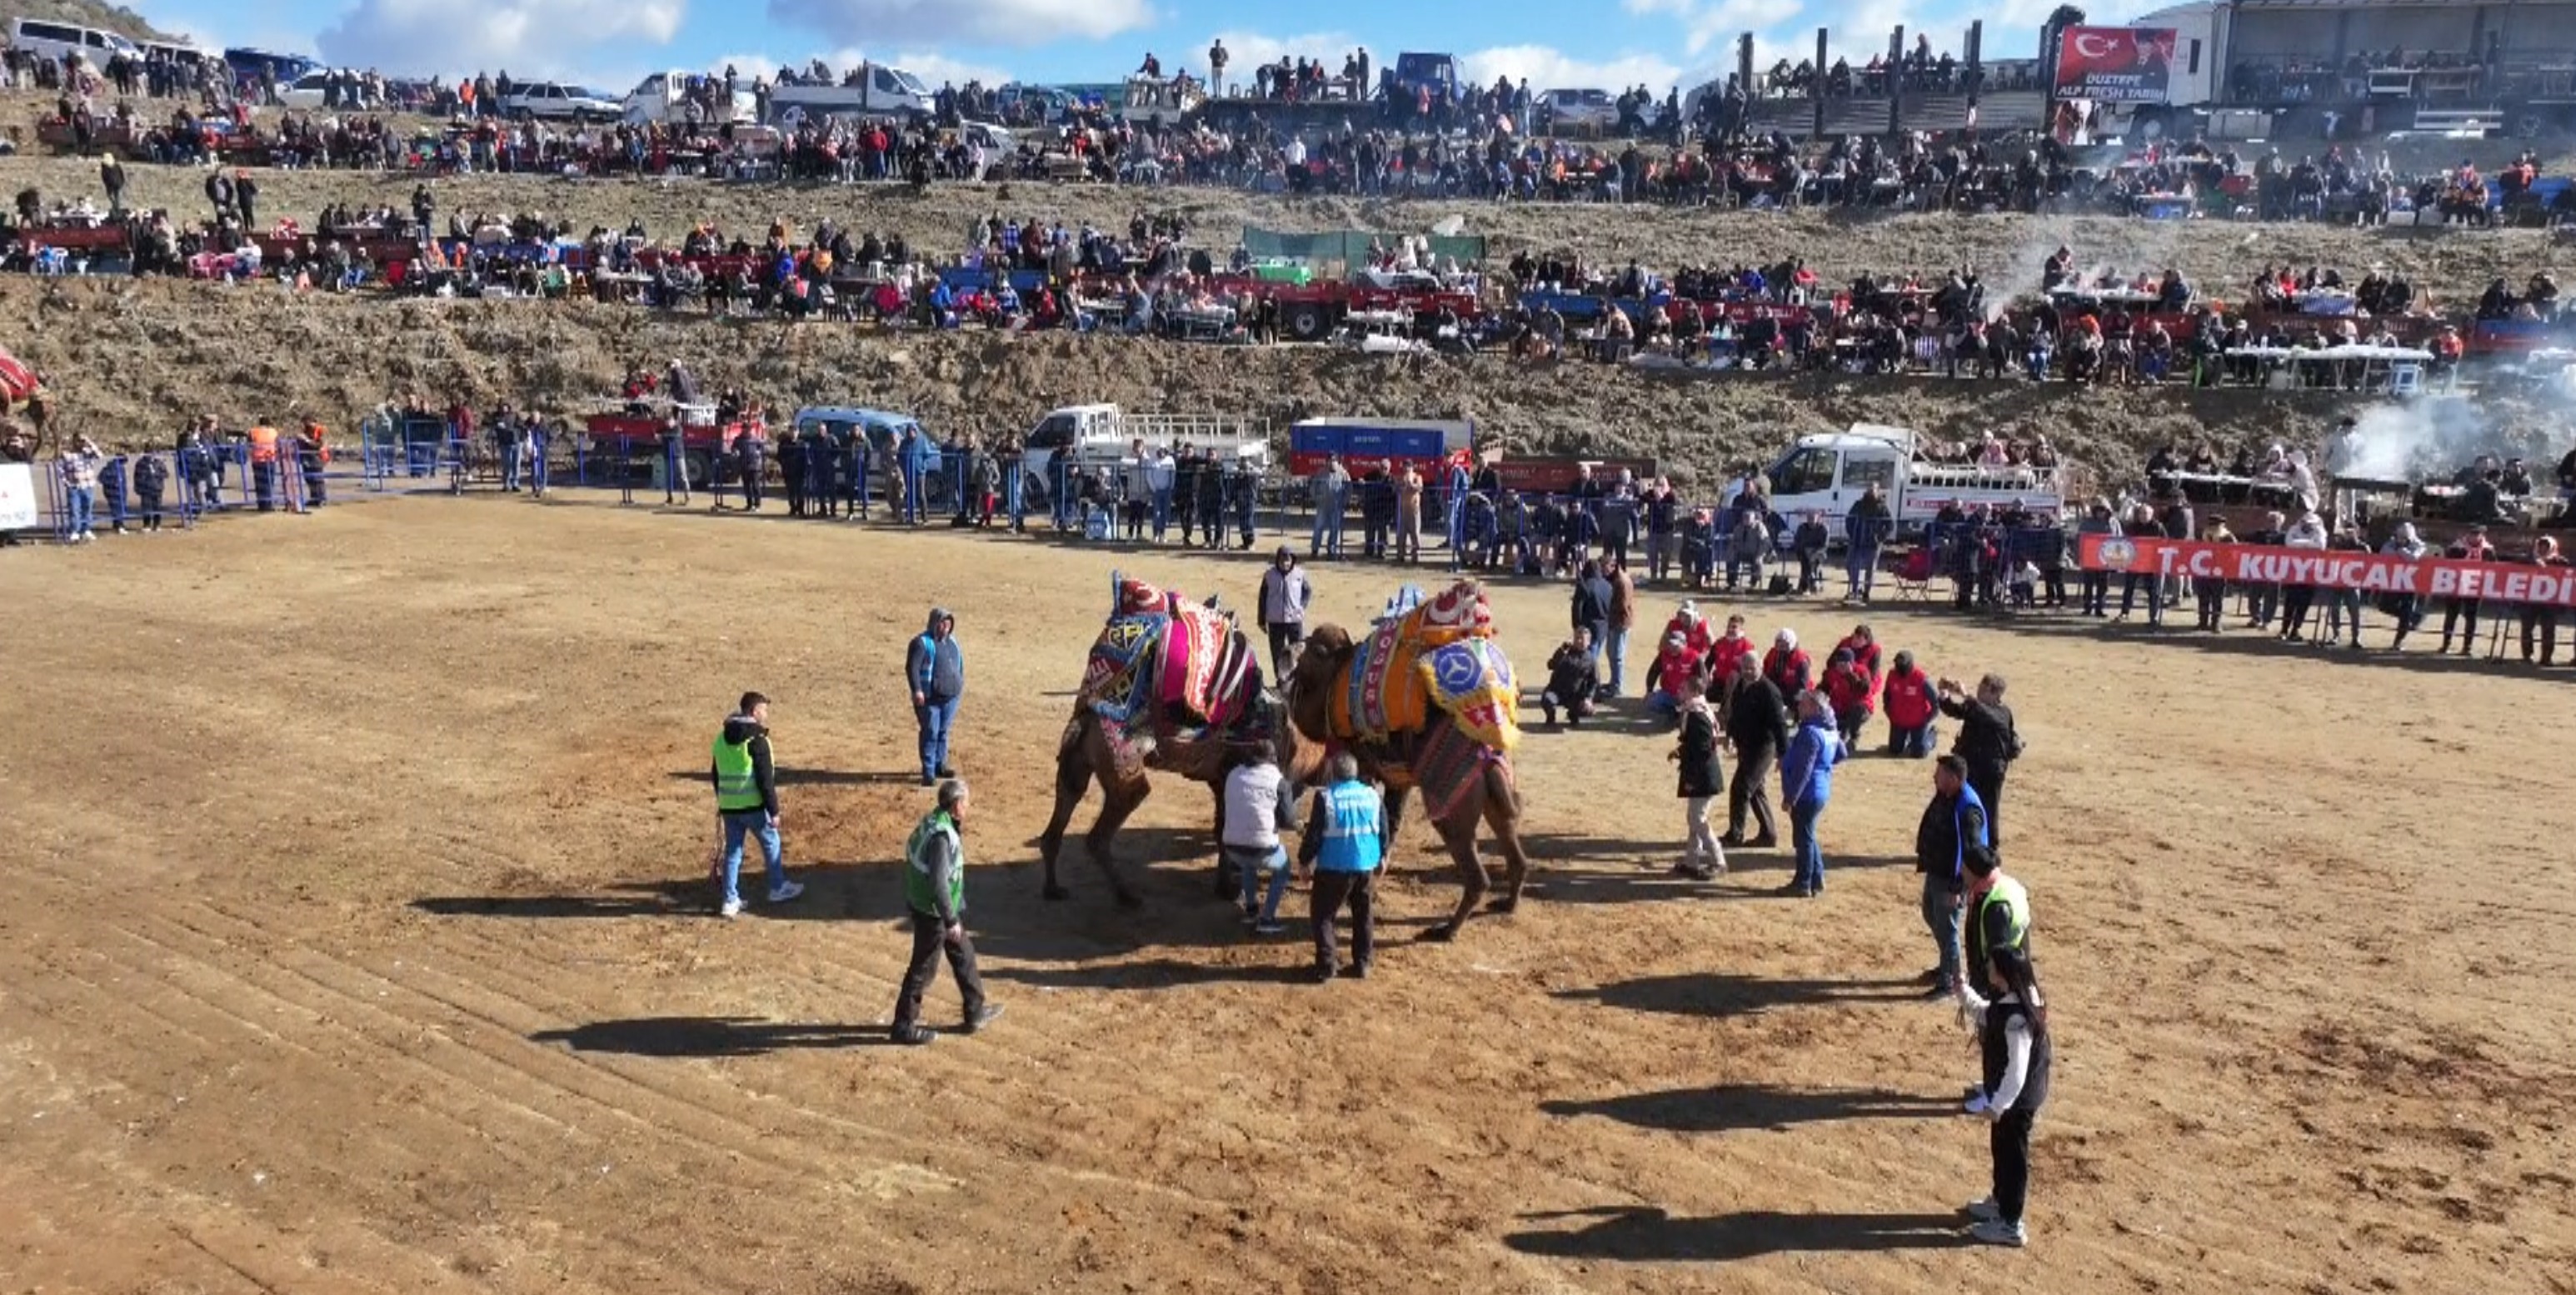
(263, 444)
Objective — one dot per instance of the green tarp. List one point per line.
(1351, 246)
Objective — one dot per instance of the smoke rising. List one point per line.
(2434, 436)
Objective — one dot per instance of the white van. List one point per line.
(53, 40)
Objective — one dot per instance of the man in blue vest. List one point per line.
(934, 888)
(1951, 836)
(1343, 842)
(935, 671)
(747, 802)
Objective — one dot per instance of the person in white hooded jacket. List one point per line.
(2309, 532)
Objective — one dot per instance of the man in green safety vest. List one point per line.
(934, 888)
(1998, 915)
(747, 802)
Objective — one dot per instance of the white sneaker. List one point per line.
(784, 891)
(1996, 1232)
(730, 908)
(1985, 1211)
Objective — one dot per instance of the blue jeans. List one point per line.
(1248, 863)
(78, 503)
(1810, 857)
(1616, 648)
(509, 466)
(1011, 495)
(1862, 571)
(750, 823)
(937, 718)
(1327, 540)
(1162, 509)
(912, 511)
(1941, 913)
(537, 467)
(1916, 742)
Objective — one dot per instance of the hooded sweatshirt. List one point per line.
(741, 729)
(935, 667)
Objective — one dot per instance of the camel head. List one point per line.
(1310, 682)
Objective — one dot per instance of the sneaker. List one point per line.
(1271, 927)
(928, 781)
(1251, 915)
(784, 891)
(1933, 976)
(1936, 993)
(1355, 971)
(985, 1015)
(1763, 842)
(729, 908)
(2000, 1233)
(947, 771)
(914, 1037)
(1985, 1211)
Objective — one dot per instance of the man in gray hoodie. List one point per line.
(934, 671)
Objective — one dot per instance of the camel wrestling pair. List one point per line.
(1425, 701)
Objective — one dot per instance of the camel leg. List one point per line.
(1118, 801)
(1458, 832)
(1072, 771)
(1395, 798)
(1503, 814)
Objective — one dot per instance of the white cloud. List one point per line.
(1018, 23)
(524, 37)
(1246, 50)
(1546, 68)
(933, 69)
(1707, 22)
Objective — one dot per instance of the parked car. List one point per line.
(304, 92)
(557, 101)
(53, 40)
(1590, 112)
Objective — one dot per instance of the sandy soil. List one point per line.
(357, 945)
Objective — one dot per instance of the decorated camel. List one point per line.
(1426, 701)
(1170, 687)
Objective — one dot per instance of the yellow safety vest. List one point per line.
(737, 787)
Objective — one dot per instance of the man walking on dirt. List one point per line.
(1757, 724)
(935, 670)
(934, 888)
(746, 783)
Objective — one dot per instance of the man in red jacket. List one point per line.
(1787, 665)
(1912, 706)
(1862, 643)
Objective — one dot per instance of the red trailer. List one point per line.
(636, 426)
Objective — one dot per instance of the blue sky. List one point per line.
(1603, 43)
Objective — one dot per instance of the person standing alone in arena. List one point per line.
(935, 670)
(934, 889)
(746, 782)
(1285, 592)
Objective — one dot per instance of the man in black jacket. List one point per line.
(1757, 722)
(1591, 605)
(1950, 841)
(1987, 742)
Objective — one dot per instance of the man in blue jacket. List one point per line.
(1806, 783)
(935, 672)
(1343, 842)
(1950, 845)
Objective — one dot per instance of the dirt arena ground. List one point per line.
(357, 943)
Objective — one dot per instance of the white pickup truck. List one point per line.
(1103, 438)
(1827, 472)
(873, 90)
(665, 97)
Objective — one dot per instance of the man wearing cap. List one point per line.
(934, 888)
(746, 785)
(935, 670)
(1344, 841)
(2013, 1043)
(1284, 595)
(1757, 724)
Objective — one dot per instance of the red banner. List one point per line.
(2115, 64)
(2269, 564)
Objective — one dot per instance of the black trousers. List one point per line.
(1750, 790)
(928, 942)
(1332, 890)
(2538, 624)
(2010, 1140)
(2295, 601)
(1988, 783)
(1284, 639)
(2455, 611)
(751, 483)
(2097, 592)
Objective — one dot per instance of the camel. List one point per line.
(1490, 797)
(1087, 753)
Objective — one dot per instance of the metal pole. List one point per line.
(1896, 80)
(1816, 91)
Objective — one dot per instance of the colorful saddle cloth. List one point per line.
(1440, 653)
(1162, 664)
